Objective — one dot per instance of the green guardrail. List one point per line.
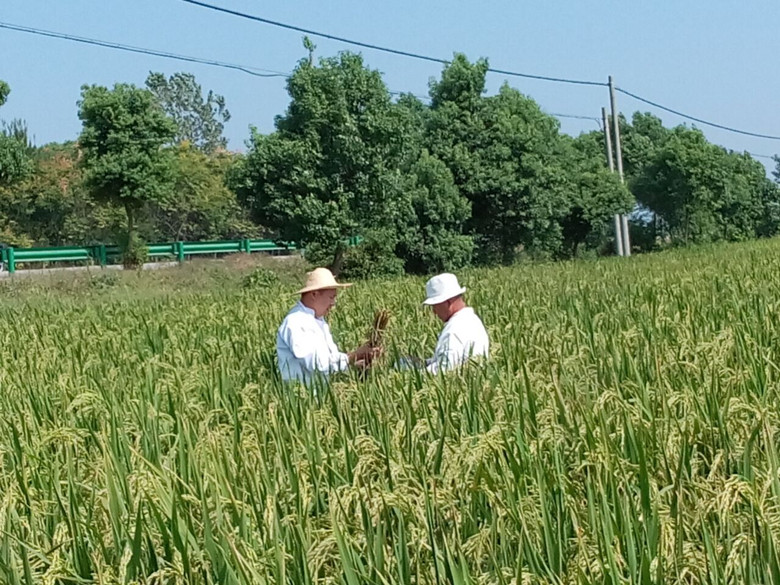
(109, 254)
(103, 254)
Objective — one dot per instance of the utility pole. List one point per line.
(611, 162)
(619, 158)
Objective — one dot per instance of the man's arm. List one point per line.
(306, 346)
(449, 354)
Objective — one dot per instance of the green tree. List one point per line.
(15, 161)
(201, 206)
(54, 206)
(690, 190)
(124, 131)
(331, 169)
(435, 241)
(15, 147)
(15, 165)
(198, 121)
(702, 192)
(596, 195)
(344, 161)
(769, 224)
(641, 139)
(503, 152)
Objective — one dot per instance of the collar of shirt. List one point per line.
(301, 308)
(464, 312)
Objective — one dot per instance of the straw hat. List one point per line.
(442, 288)
(320, 279)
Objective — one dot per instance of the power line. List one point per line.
(553, 114)
(422, 98)
(266, 73)
(258, 72)
(47, 33)
(699, 120)
(445, 62)
(244, 69)
(381, 48)
(576, 117)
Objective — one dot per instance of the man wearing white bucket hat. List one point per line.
(304, 345)
(464, 335)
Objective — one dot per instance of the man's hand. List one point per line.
(365, 354)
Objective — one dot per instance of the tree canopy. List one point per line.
(199, 121)
(696, 191)
(342, 162)
(531, 189)
(124, 131)
(15, 161)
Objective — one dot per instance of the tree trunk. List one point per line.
(129, 254)
(338, 260)
(130, 221)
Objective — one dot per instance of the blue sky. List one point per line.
(711, 59)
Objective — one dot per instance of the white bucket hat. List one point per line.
(320, 279)
(442, 288)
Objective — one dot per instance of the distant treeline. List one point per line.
(465, 178)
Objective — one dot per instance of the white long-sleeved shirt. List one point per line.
(463, 337)
(305, 347)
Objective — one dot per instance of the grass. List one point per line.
(624, 431)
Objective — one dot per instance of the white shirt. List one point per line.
(463, 337)
(305, 346)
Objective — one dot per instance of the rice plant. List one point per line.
(625, 430)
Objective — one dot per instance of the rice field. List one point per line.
(625, 430)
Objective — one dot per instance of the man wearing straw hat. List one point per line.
(304, 345)
(464, 336)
